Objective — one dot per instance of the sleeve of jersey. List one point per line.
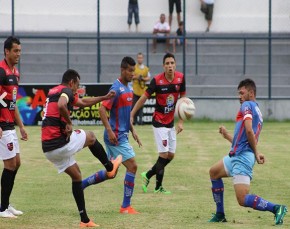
(2, 76)
(183, 87)
(247, 111)
(69, 94)
(109, 102)
(151, 88)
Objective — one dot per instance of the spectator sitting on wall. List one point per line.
(180, 40)
(161, 30)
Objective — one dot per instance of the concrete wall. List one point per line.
(219, 109)
(80, 15)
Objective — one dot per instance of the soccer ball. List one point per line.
(185, 108)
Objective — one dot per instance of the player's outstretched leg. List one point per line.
(260, 204)
(111, 166)
(103, 175)
(218, 196)
(96, 178)
(280, 212)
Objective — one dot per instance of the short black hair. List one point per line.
(8, 43)
(168, 55)
(249, 84)
(127, 60)
(69, 75)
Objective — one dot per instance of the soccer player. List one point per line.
(117, 130)
(9, 145)
(60, 142)
(241, 159)
(168, 87)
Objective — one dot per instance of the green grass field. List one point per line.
(47, 201)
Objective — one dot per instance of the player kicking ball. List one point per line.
(60, 142)
(241, 159)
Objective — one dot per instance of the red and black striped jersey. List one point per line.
(53, 134)
(8, 93)
(167, 94)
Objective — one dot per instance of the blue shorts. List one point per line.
(241, 164)
(124, 148)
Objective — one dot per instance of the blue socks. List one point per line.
(218, 194)
(96, 178)
(258, 203)
(128, 189)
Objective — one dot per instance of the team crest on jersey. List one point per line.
(177, 87)
(164, 143)
(170, 100)
(122, 89)
(10, 146)
(178, 79)
(77, 131)
(161, 81)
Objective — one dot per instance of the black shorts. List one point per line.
(161, 39)
(209, 12)
(177, 5)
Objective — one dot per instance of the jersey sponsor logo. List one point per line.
(164, 89)
(14, 94)
(164, 143)
(169, 103)
(10, 146)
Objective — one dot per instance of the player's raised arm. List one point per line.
(90, 101)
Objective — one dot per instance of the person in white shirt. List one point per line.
(161, 30)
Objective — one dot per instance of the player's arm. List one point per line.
(62, 107)
(90, 101)
(252, 141)
(224, 132)
(103, 115)
(137, 106)
(20, 124)
(135, 135)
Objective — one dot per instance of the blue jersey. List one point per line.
(249, 111)
(120, 108)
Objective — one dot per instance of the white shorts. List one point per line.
(63, 157)
(165, 139)
(9, 145)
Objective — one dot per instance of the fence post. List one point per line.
(12, 20)
(270, 52)
(98, 43)
(184, 36)
(67, 52)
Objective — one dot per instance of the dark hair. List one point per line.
(9, 43)
(168, 55)
(249, 84)
(69, 75)
(127, 60)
